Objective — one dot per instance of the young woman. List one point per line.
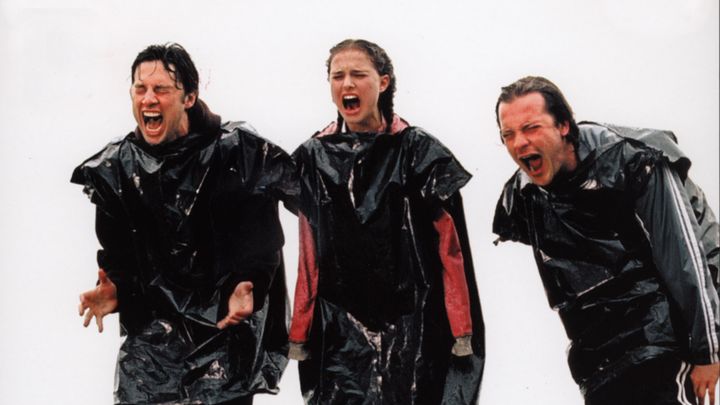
(386, 307)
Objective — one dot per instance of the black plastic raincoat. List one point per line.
(620, 254)
(180, 225)
(380, 332)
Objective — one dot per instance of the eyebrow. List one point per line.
(529, 124)
(351, 71)
(159, 86)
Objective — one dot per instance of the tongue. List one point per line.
(154, 123)
(535, 163)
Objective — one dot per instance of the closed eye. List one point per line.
(162, 89)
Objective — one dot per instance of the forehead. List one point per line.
(351, 58)
(153, 71)
(525, 107)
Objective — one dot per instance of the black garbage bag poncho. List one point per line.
(708, 231)
(380, 332)
(180, 225)
(620, 252)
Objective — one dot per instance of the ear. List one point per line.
(190, 100)
(384, 82)
(564, 128)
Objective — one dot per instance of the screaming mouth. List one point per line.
(350, 102)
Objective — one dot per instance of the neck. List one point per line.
(375, 123)
(571, 158)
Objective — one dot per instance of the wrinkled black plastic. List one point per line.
(605, 242)
(180, 225)
(380, 333)
(666, 142)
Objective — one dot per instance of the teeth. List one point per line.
(350, 101)
(152, 116)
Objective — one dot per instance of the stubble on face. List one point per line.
(159, 103)
(537, 144)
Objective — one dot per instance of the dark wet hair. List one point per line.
(383, 65)
(176, 61)
(555, 103)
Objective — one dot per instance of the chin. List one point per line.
(154, 140)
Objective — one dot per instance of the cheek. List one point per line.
(334, 93)
(509, 147)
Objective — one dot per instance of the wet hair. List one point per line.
(383, 65)
(176, 61)
(555, 103)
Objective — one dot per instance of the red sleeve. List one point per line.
(457, 299)
(306, 286)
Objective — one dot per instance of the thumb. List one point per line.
(102, 276)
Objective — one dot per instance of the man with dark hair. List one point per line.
(191, 258)
(625, 244)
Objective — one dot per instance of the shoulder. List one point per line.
(238, 131)
(602, 142)
(316, 140)
(638, 139)
(104, 161)
(515, 184)
(101, 174)
(423, 145)
(235, 135)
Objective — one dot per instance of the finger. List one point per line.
(228, 321)
(712, 395)
(98, 321)
(224, 322)
(88, 318)
(81, 306)
(700, 393)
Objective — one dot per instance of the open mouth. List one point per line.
(350, 102)
(152, 120)
(532, 162)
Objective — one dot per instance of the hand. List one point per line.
(240, 305)
(99, 301)
(704, 378)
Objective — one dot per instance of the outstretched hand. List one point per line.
(240, 305)
(99, 301)
(704, 379)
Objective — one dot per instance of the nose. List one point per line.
(348, 82)
(149, 98)
(519, 142)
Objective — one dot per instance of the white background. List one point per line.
(64, 80)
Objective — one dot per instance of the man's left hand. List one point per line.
(704, 379)
(240, 305)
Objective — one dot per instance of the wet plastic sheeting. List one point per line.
(709, 231)
(605, 240)
(180, 225)
(380, 333)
